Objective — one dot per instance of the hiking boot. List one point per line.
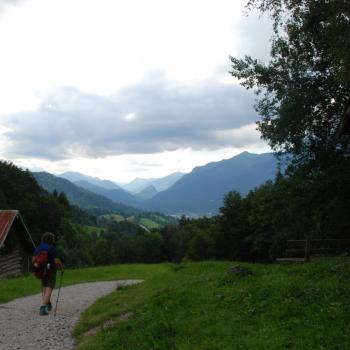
(49, 306)
(43, 310)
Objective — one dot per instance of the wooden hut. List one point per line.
(16, 244)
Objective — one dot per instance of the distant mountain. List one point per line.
(201, 192)
(116, 195)
(137, 185)
(79, 196)
(147, 193)
(160, 184)
(74, 177)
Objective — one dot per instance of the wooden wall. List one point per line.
(11, 264)
(17, 261)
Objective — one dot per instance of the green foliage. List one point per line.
(302, 94)
(231, 241)
(303, 205)
(201, 245)
(19, 191)
(305, 87)
(43, 212)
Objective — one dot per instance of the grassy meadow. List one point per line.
(202, 306)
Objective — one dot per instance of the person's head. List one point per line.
(48, 238)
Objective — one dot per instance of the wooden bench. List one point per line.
(300, 251)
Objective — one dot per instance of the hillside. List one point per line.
(147, 193)
(202, 191)
(117, 195)
(20, 191)
(79, 196)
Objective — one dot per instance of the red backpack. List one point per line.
(41, 264)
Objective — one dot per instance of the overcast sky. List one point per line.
(125, 89)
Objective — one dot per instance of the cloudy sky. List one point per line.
(125, 89)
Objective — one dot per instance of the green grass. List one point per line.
(11, 288)
(149, 223)
(113, 217)
(201, 306)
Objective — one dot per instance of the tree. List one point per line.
(102, 252)
(231, 241)
(201, 245)
(304, 89)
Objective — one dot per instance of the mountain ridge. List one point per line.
(79, 196)
(201, 192)
(74, 176)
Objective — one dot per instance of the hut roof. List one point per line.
(7, 219)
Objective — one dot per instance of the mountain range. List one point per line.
(200, 192)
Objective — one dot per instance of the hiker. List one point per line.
(52, 263)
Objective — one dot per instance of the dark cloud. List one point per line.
(153, 116)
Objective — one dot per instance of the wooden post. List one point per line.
(307, 250)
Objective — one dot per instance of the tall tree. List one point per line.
(304, 89)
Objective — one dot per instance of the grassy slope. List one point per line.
(113, 217)
(149, 223)
(144, 220)
(200, 306)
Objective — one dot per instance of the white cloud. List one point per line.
(100, 46)
(246, 134)
(145, 77)
(166, 116)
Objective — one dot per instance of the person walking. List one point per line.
(49, 277)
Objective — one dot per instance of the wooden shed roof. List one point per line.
(7, 219)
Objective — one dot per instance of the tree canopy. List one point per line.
(304, 89)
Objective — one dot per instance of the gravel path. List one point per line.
(22, 328)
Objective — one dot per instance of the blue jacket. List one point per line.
(52, 253)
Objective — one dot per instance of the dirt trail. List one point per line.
(22, 328)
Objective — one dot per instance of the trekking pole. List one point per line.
(59, 290)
